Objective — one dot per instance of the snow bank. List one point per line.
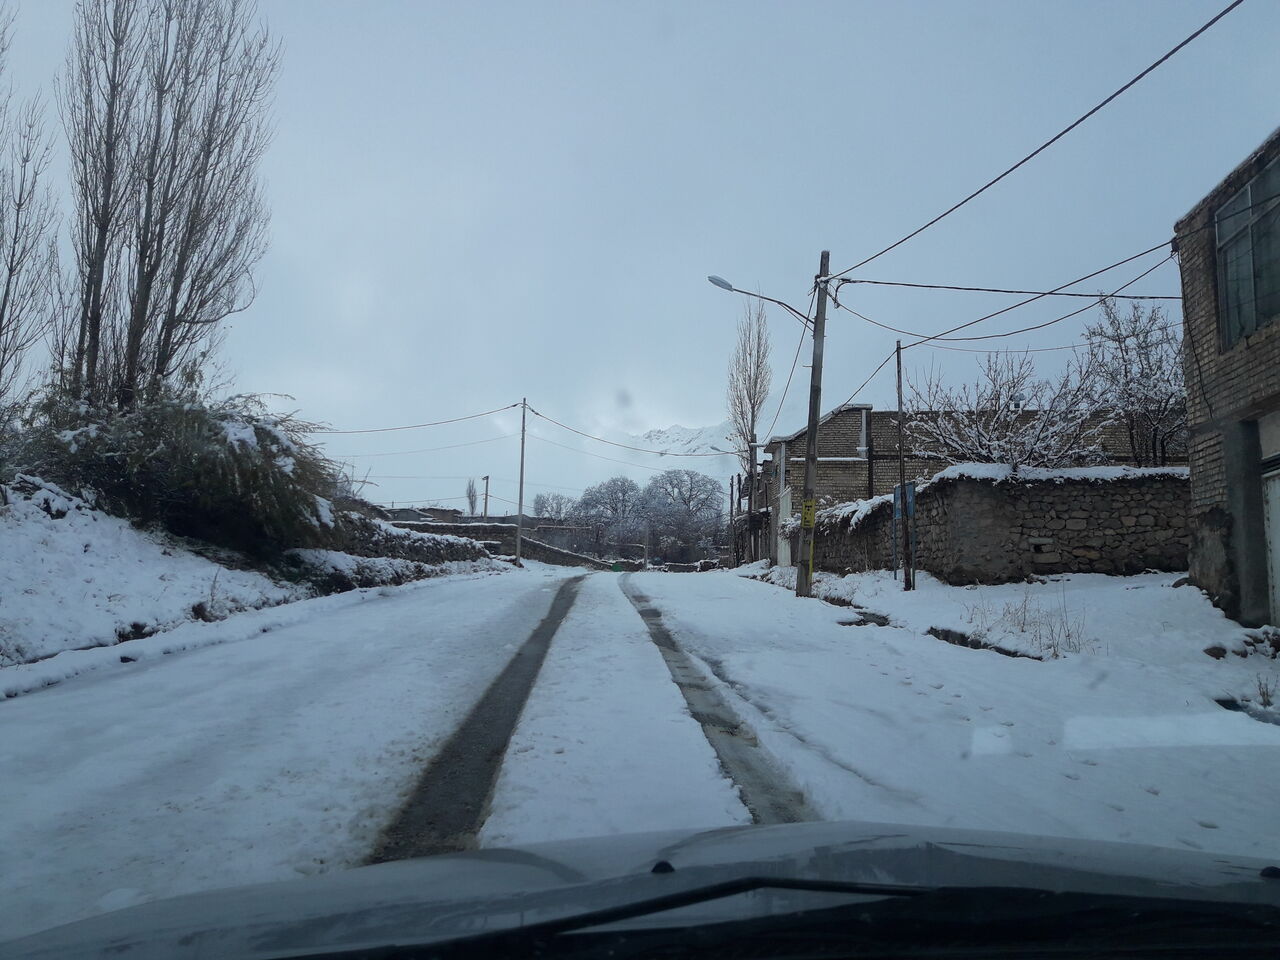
(74, 577)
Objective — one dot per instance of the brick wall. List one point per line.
(1228, 389)
(984, 531)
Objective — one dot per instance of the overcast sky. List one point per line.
(475, 202)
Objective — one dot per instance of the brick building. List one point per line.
(1228, 249)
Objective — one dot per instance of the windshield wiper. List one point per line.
(908, 920)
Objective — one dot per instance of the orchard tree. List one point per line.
(613, 507)
(1138, 359)
(1010, 415)
(553, 506)
(684, 505)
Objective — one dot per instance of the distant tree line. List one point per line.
(678, 513)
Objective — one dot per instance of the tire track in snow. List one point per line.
(447, 806)
(765, 791)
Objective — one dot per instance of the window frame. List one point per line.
(1233, 328)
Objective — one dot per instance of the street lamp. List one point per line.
(724, 284)
(808, 507)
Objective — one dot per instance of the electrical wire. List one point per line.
(450, 446)
(792, 372)
(1048, 293)
(1023, 303)
(1044, 146)
(588, 453)
(627, 446)
(1097, 299)
(415, 426)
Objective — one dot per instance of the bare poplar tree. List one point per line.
(750, 377)
(1138, 356)
(165, 106)
(28, 254)
(97, 99)
(472, 496)
(1010, 415)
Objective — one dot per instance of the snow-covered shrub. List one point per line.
(226, 472)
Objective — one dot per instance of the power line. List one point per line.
(1040, 326)
(451, 446)
(1048, 293)
(588, 453)
(792, 372)
(1044, 146)
(627, 446)
(927, 340)
(415, 426)
(1023, 303)
(1097, 299)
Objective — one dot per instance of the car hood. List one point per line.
(457, 895)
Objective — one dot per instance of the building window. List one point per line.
(1248, 234)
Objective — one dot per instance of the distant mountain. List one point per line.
(677, 439)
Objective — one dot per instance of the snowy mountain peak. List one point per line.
(716, 438)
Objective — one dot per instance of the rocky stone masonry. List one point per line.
(970, 530)
(503, 536)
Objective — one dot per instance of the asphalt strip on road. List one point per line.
(447, 806)
(764, 790)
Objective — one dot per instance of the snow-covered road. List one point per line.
(263, 758)
(279, 754)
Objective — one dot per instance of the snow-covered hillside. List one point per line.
(72, 576)
(677, 439)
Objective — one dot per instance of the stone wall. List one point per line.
(977, 530)
(503, 537)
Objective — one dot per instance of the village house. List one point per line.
(1228, 249)
(858, 459)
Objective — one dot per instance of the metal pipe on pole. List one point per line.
(524, 414)
(809, 507)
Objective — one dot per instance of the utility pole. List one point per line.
(524, 412)
(908, 577)
(809, 506)
(486, 497)
(751, 505)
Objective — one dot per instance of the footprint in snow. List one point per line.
(1072, 776)
(980, 707)
(1006, 723)
(1025, 755)
(1090, 763)
(1118, 808)
(1154, 791)
(937, 686)
(1208, 824)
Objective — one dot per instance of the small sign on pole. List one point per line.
(809, 514)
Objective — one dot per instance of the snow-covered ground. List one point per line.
(264, 757)
(606, 744)
(74, 577)
(1120, 741)
(247, 755)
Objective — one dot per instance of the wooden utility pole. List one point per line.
(908, 577)
(809, 506)
(524, 413)
(486, 497)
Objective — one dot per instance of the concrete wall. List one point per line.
(1229, 390)
(983, 531)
